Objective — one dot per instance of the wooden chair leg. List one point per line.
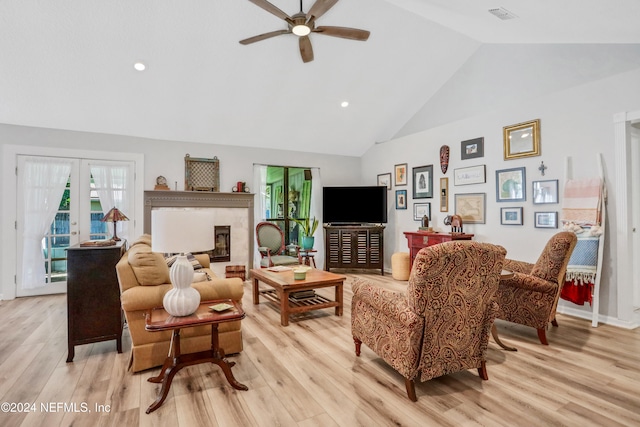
(482, 371)
(542, 335)
(358, 344)
(411, 389)
(554, 322)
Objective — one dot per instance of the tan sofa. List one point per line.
(143, 276)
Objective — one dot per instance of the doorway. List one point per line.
(76, 194)
(9, 243)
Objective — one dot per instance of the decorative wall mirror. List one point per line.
(522, 140)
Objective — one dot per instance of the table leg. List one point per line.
(170, 367)
(256, 293)
(220, 360)
(338, 298)
(496, 338)
(284, 307)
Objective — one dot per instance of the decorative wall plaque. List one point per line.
(201, 174)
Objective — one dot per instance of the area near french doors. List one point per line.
(81, 182)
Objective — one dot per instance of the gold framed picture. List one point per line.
(522, 140)
(444, 194)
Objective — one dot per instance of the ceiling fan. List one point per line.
(302, 24)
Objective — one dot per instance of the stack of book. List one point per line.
(302, 294)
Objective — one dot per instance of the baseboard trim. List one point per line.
(608, 320)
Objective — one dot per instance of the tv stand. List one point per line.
(353, 246)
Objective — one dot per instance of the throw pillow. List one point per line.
(192, 259)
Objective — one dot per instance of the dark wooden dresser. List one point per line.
(94, 312)
(421, 239)
(354, 246)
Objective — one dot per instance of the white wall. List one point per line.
(167, 158)
(576, 122)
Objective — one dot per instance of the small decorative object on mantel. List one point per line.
(240, 187)
(444, 158)
(161, 183)
(542, 168)
(201, 174)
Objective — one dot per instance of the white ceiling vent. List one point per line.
(502, 13)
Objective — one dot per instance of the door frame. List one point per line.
(9, 190)
(625, 249)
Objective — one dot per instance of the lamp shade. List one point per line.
(182, 230)
(114, 215)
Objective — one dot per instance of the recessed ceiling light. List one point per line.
(139, 66)
(344, 104)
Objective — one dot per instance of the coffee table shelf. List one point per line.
(317, 302)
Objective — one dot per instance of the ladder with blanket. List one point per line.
(584, 213)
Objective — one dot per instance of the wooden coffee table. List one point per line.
(158, 319)
(283, 284)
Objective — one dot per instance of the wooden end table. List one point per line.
(284, 284)
(157, 319)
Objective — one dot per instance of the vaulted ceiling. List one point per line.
(69, 65)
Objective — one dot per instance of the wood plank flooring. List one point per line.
(307, 375)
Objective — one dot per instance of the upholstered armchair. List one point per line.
(531, 296)
(271, 246)
(441, 324)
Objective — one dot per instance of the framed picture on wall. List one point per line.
(471, 207)
(470, 175)
(510, 185)
(384, 180)
(423, 182)
(444, 194)
(400, 173)
(511, 216)
(546, 219)
(401, 199)
(420, 210)
(472, 148)
(545, 191)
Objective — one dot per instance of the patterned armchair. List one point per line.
(441, 324)
(531, 296)
(271, 246)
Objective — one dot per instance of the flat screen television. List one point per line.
(354, 205)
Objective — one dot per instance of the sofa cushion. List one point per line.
(149, 267)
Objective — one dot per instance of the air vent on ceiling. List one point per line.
(502, 13)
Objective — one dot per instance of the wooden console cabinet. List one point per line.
(94, 312)
(417, 240)
(354, 246)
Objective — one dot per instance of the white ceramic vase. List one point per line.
(182, 299)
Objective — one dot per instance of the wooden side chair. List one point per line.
(272, 247)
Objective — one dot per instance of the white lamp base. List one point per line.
(182, 300)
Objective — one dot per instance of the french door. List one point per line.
(77, 217)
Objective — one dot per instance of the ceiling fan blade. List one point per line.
(263, 36)
(319, 8)
(264, 4)
(343, 32)
(306, 51)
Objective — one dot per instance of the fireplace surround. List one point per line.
(234, 209)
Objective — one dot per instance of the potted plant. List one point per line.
(308, 227)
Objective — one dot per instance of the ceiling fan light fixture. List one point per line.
(301, 30)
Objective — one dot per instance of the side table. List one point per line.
(306, 257)
(157, 319)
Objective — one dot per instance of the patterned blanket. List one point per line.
(584, 260)
(582, 201)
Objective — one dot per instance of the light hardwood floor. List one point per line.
(307, 374)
